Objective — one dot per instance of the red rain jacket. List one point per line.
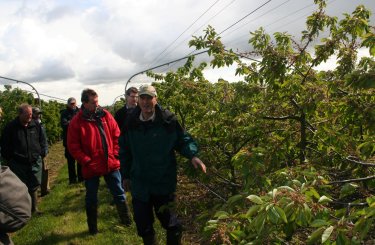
(85, 145)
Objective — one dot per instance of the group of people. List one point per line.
(134, 151)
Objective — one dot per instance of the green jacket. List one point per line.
(147, 153)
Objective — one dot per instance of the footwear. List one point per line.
(92, 218)
(124, 213)
(174, 236)
(44, 193)
(71, 182)
(34, 203)
(149, 240)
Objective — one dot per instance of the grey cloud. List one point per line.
(50, 70)
(103, 75)
(58, 13)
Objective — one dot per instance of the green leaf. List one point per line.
(259, 222)
(234, 199)
(327, 233)
(342, 240)
(296, 182)
(348, 189)
(273, 215)
(314, 237)
(370, 213)
(221, 215)
(286, 188)
(324, 199)
(252, 210)
(301, 219)
(212, 221)
(371, 201)
(319, 223)
(255, 199)
(314, 192)
(237, 235)
(282, 214)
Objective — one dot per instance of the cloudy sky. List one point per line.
(64, 46)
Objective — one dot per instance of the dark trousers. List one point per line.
(163, 205)
(73, 173)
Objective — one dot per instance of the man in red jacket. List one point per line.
(93, 140)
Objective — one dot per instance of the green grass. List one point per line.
(63, 220)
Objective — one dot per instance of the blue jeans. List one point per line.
(113, 180)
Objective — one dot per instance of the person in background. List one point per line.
(74, 169)
(93, 140)
(131, 97)
(147, 154)
(44, 185)
(15, 208)
(22, 147)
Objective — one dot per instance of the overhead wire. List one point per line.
(156, 59)
(269, 11)
(238, 21)
(235, 23)
(48, 96)
(300, 17)
(238, 40)
(199, 28)
(34, 92)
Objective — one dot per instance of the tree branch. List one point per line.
(282, 118)
(349, 158)
(352, 180)
(224, 179)
(210, 190)
(350, 204)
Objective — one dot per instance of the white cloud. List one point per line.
(65, 46)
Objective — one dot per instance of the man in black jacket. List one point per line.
(131, 96)
(44, 185)
(66, 116)
(23, 147)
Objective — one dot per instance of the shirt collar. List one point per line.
(152, 118)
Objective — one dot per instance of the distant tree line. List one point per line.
(11, 98)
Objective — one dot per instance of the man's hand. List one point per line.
(126, 183)
(198, 163)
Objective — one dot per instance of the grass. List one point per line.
(63, 220)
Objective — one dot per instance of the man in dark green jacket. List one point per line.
(147, 155)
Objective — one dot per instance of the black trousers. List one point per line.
(73, 173)
(163, 205)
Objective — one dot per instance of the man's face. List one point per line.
(26, 115)
(132, 99)
(92, 103)
(147, 103)
(72, 105)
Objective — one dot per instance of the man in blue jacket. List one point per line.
(147, 154)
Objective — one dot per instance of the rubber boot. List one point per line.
(124, 213)
(92, 219)
(174, 236)
(34, 203)
(149, 240)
